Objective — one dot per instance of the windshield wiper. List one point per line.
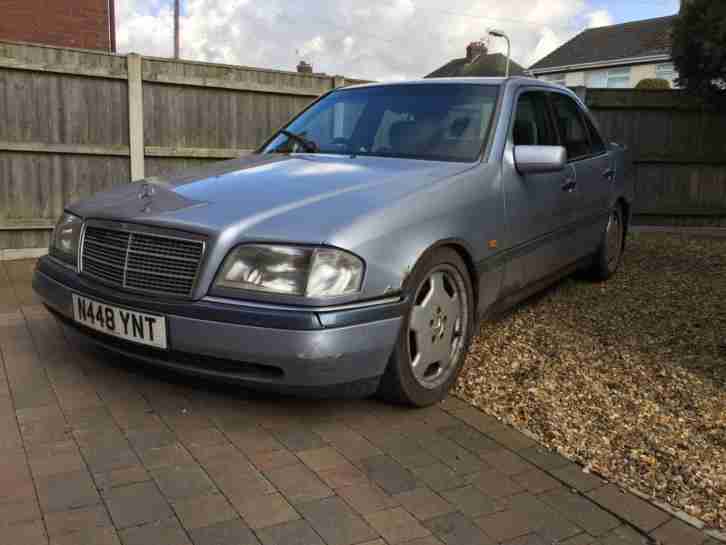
(308, 145)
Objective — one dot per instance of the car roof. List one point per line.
(516, 80)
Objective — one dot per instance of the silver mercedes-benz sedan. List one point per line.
(357, 249)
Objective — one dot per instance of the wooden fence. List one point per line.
(678, 148)
(73, 122)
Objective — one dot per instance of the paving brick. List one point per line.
(396, 525)
(506, 462)
(336, 523)
(136, 504)
(472, 502)
(169, 455)
(428, 540)
(495, 484)
(107, 458)
(178, 482)
(58, 457)
(440, 477)
(543, 458)
(76, 520)
(536, 481)
(512, 439)
(366, 498)
(273, 459)
(631, 508)
(529, 539)
(507, 525)
(201, 511)
(388, 474)
(456, 529)
(624, 535)
(120, 477)
(676, 532)
(299, 439)
(160, 532)
(579, 539)
(297, 532)
(348, 442)
(407, 452)
(298, 483)
(254, 440)
(576, 478)
(64, 491)
(342, 476)
(230, 532)
(424, 504)
(25, 533)
(455, 456)
(263, 511)
(25, 510)
(88, 536)
(322, 458)
(586, 514)
(144, 438)
(469, 438)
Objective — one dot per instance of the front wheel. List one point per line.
(436, 333)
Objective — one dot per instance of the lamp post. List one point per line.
(500, 34)
(176, 29)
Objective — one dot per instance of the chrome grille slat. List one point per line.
(136, 260)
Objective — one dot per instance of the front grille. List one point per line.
(140, 261)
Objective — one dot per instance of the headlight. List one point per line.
(65, 239)
(291, 270)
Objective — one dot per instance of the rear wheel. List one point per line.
(436, 333)
(610, 253)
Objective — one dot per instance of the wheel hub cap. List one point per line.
(437, 325)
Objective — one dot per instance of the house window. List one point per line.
(614, 78)
(559, 79)
(666, 71)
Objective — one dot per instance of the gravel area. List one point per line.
(627, 377)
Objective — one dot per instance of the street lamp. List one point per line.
(500, 34)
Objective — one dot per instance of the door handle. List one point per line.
(570, 185)
(609, 174)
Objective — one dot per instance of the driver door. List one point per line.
(539, 207)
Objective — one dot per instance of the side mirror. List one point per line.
(539, 159)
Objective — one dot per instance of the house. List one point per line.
(612, 56)
(86, 24)
(478, 63)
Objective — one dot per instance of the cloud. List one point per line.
(599, 18)
(375, 39)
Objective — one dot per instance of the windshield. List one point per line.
(444, 122)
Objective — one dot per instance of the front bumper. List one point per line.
(278, 348)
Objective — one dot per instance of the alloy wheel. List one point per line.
(437, 326)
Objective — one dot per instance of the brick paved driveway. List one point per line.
(97, 450)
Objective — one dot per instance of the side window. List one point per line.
(532, 123)
(571, 126)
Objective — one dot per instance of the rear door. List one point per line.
(539, 206)
(587, 155)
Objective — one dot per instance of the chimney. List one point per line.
(474, 50)
(305, 67)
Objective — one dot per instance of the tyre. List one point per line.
(610, 252)
(436, 332)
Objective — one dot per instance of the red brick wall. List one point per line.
(68, 23)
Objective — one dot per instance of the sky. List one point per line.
(383, 40)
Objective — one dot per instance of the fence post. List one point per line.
(581, 92)
(338, 81)
(136, 116)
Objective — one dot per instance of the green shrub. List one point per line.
(653, 83)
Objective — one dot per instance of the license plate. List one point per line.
(139, 327)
